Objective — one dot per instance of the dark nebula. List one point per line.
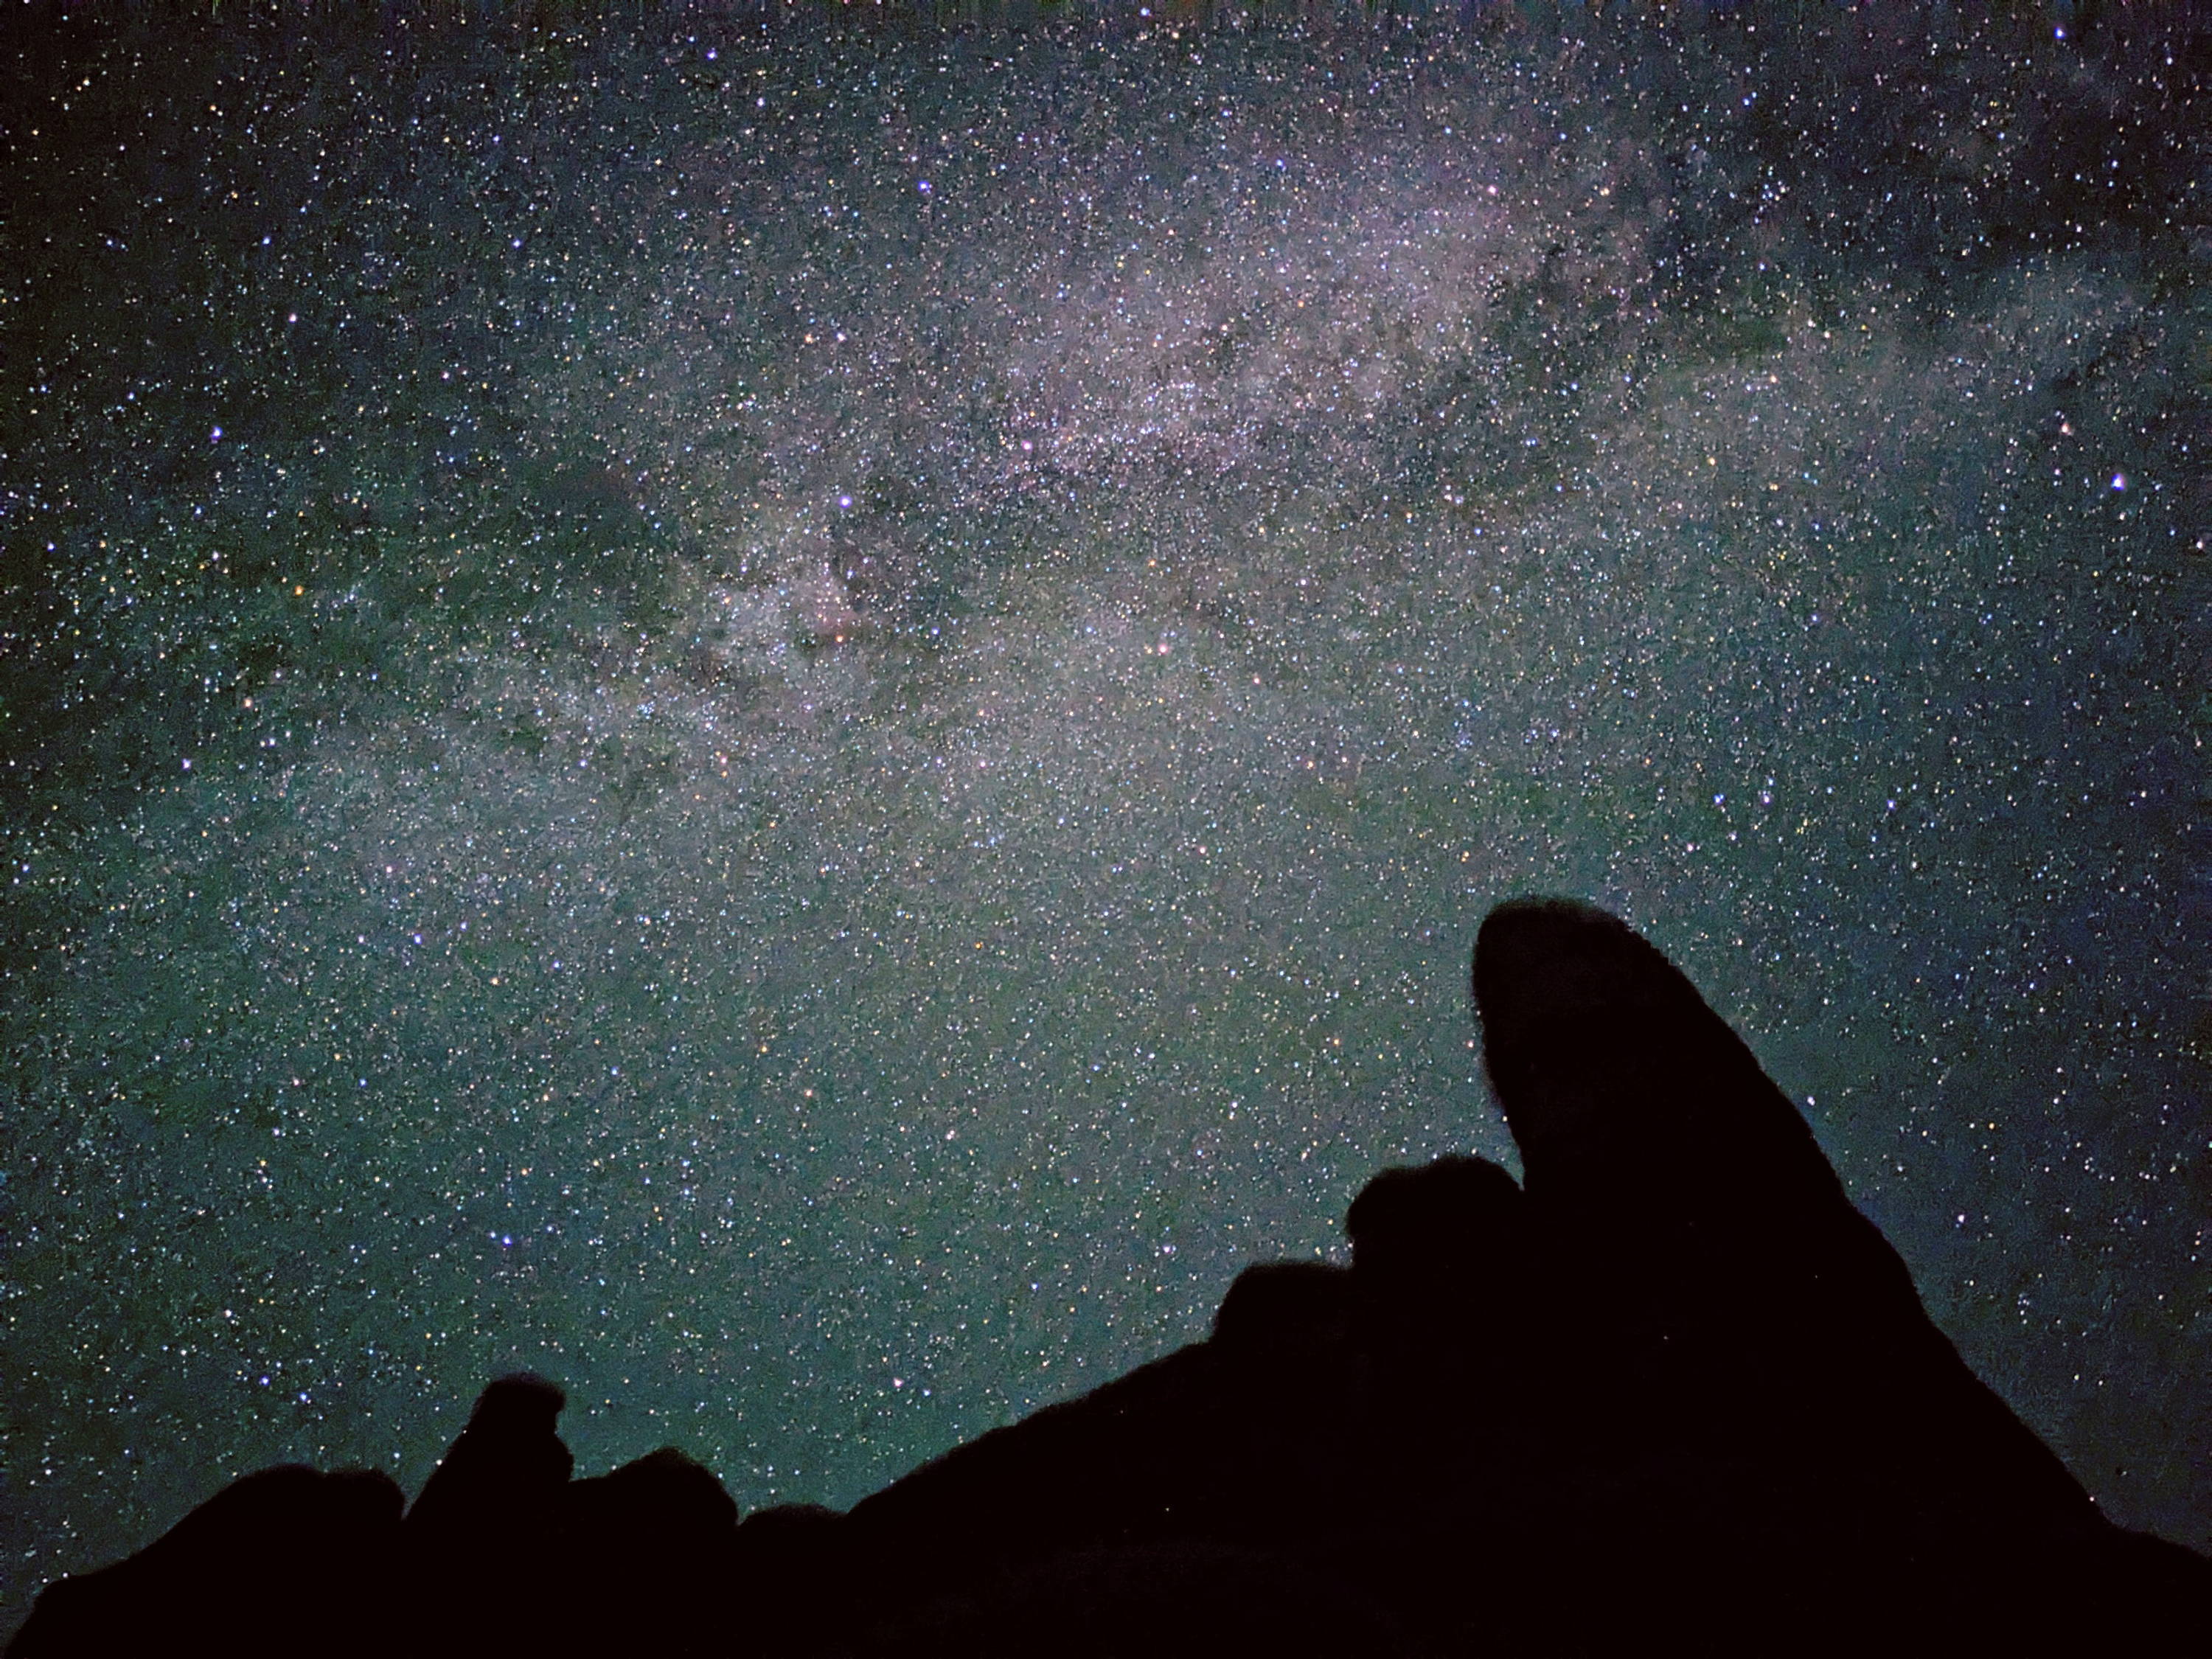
(802, 720)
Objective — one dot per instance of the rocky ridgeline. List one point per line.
(1673, 1393)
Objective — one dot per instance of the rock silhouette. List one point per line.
(1672, 1391)
(284, 1560)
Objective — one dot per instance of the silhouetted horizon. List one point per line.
(798, 714)
(1669, 1391)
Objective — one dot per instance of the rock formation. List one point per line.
(1672, 1393)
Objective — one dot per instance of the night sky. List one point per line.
(801, 720)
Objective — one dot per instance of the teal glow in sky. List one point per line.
(801, 724)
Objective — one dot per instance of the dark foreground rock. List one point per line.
(1672, 1394)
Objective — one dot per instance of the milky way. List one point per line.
(801, 722)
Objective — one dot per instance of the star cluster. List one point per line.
(801, 720)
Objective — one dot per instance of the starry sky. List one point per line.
(801, 720)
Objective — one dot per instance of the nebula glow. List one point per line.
(801, 722)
